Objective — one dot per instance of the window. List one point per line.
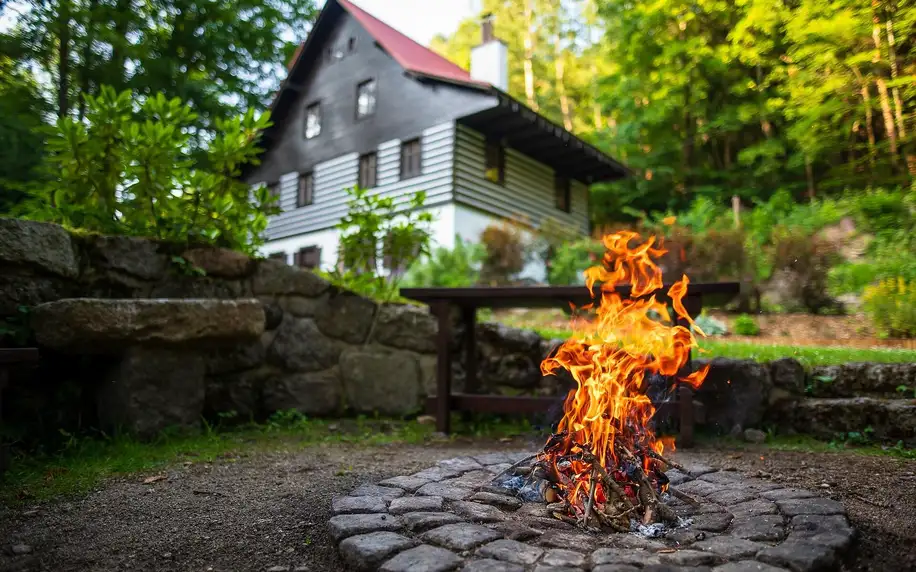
(365, 98)
(410, 158)
(274, 190)
(368, 170)
(308, 257)
(277, 256)
(351, 45)
(562, 193)
(312, 121)
(306, 191)
(495, 163)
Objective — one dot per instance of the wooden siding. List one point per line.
(528, 192)
(332, 178)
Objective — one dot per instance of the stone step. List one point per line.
(890, 420)
(887, 380)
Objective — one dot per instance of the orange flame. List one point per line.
(612, 357)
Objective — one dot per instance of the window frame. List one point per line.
(404, 171)
(372, 175)
(279, 255)
(494, 152)
(374, 82)
(300, 200)
(562, 189)
(301, 257)
(317, 106)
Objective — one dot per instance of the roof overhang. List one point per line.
(520, 128)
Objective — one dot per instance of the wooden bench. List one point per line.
(8, 359)
(468, 300)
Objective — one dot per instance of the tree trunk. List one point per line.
(560, 70)
(116, 77)
(529, 57)
(809, 176)
(895, 91)
(63, 58)
(883, 95)
(869, 115)
(86, 63)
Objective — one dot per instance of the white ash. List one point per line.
(657, 529)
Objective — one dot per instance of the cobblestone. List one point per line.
(461, 536)
(346, 525)
(424, 557)
(357, 505)
(415, 504)
(367, 551)
(511, 551)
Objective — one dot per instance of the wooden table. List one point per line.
(8, 359)
(468, 300)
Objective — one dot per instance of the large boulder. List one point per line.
(42, 246)
(299, 346)
(136, 257)
(220, 262)
(91, 325)
(788, 374)
(406, 327)
(313, 393)
(346, 317)
(152, 389)
(735, 392)
(275, 278)
(379, 381)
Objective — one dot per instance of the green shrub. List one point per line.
(710, 325)
(505, 253)
(378, 240)
(891, 306)
(450, 268)
(571, 260)
(746, 326)
(126, 169)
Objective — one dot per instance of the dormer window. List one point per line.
(365, 99)
(312, 121)
(351, 45)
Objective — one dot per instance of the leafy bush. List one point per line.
(505, 253)
(710, 325)
(746, 326)
(450, 268)
(378, 242)
(127, 170)
(570, 261)
(891, 306)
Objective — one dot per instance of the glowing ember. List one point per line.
(604, 464)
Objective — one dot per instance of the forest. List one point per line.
(778, 133)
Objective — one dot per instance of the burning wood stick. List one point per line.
(671, 464)
(592, 485)
(609, 482)
(683, 496)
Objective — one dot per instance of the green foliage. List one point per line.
(891, 307)
(570, 261)
(22, 141)
(505, 255)
(14, 329)
(746, 326)
(126, 170)
(378, 235)
(450, 268)
(710, 325)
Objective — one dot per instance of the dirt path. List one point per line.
(270, 510)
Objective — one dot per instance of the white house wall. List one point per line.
(528, 192)
(470, 224)
(332, 178)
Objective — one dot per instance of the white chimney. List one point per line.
(490, 60)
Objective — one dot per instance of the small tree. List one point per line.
(126, 169)
(374, 235)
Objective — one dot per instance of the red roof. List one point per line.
(412, 56)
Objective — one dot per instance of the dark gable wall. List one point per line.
(404, 106)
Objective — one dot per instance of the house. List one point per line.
(364, 104)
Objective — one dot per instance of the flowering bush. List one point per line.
(891, 305)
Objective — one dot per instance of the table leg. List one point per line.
(443, 368)
(469, 317)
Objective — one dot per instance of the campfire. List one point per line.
(604, 468)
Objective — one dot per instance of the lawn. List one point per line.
(807, 355)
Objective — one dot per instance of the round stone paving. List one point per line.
(449, 517)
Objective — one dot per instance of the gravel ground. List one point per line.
(270, 510)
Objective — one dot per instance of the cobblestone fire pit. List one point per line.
(449, 517)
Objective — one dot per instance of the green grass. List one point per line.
(808, 444)
(807, 355)
(83, 463)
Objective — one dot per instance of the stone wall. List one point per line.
(323, 350)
